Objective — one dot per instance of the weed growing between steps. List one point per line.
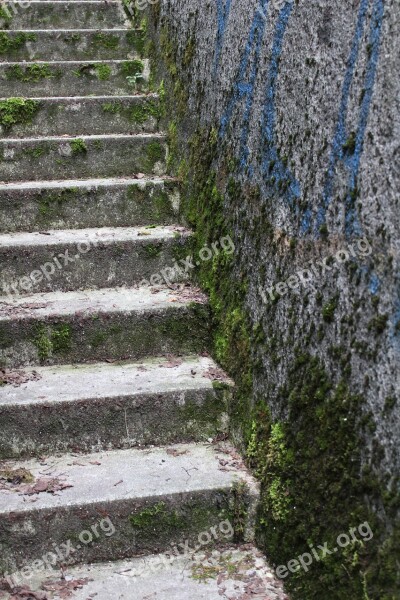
(307, 455)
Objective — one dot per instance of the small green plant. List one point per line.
(78, 146)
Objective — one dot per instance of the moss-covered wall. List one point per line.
(282, 126)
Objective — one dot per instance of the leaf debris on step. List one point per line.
(17, 377)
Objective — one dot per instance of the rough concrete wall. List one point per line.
(301, 102)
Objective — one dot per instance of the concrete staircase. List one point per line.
(113, 417)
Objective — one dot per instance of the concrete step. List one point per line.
(234, 572)
(101, 325)
(72, 44)
(104, 406)
(78, 259)
(73, 78)
(145, 500)
(80, 115)
(78, 158)
(74, 204)
(91, 14)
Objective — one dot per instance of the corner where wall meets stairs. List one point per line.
(118, 478)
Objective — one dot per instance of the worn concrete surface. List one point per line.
(175, 493)
(104, 406)
(69, 78)
(90, 258)
(90, 116)
(100, 325)
(234, 574)
(81, 204)
(62, 44)
(100, 155)
(91, 14)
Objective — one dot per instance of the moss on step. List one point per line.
(163, 523)
(32, 73)
(105, 40)
(138, 112)
(10, 43)
(16, 111)
(78, 146)
(155, 153)
(49, 340)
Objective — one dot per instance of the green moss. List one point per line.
(103, 72)
(37, 151)
(10, 43)
(31, 73)
(15, 111)
(78, 146)
(328, 310)
(378, 323)
(155, 152)
(51, 340)
(43, 343)
(61, 338)
(105, 40)
(132, 68)
(152, 250)
(49, 204)
(137, 40)
(350, 145)
(145, 518)
(138, 112)
(5, 15)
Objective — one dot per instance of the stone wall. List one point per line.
(283, 119)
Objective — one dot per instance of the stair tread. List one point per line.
(110, 300)
(69, 383)
(55, 99)
(154, 576)
(66, 138)
(151, 473)
(62, 183)
(104, 235)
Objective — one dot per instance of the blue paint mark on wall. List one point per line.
(223, 11)
(347, 147)
(274, 169)
(373, 52)
(244, 85)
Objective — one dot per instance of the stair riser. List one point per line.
(26, 160)
(81, 266)
(69, 79)
(86, 338)
(88, 207)
(88, 117)
(64, 15)
(30, 535)
(109, 423)
(70, 45)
